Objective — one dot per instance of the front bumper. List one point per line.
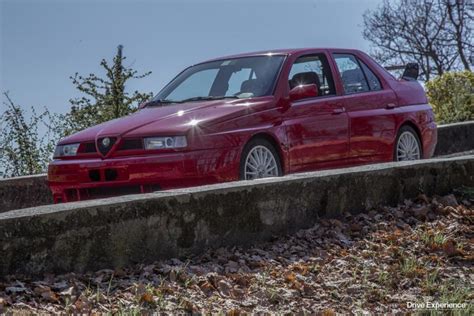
(73, 180)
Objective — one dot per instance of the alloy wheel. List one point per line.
(260, 163)
(408, 147)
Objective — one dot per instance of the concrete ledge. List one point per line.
(454, 138)
(23, 192)
(114, 232)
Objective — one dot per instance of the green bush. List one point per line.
(452, 96)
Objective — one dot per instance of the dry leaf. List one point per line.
(450, 249)
(289, 277)
(328, 312)
(50, 296)
(147, 298)
(189, 306)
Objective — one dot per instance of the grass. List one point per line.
(431, 282)
(383, 278)
(272, 294)
(433, 240)
(454, 292)
(409, 266)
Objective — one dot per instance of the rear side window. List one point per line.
(312, 69)
(352, 76)
(356, 76)
(374, 82)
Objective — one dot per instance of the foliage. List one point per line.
(26, 146)
(105, 98)
(22, 150)
(452, 96)
(437, 34)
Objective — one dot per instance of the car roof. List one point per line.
(285, 51)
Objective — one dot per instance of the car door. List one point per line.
(316, 127)
(370, 105)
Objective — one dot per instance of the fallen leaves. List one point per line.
(366, 263)
(290, 277)
(450, 249)
(46, 293)
(146, 298)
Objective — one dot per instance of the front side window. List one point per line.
(244, 77)
(312, 69)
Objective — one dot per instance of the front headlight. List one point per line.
(165, 142)
(66, 150)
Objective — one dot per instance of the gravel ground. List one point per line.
(381, 261)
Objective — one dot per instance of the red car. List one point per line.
(250, 116)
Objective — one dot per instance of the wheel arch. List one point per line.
(273, 141)
(415, 127)
(417, 131)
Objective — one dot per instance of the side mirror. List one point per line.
(142, 105)
(303, 92)
(411, 72)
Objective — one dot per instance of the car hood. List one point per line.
(171, 119)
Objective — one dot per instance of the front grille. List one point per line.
(94, 175)
(105, 148)
(113, 191)
(110, 174)
(89, 148)
(130, 144)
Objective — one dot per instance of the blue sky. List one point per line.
(43, 42)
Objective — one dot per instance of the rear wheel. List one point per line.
(259, 160)
(408, 145)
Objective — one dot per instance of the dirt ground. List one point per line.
(385, 260)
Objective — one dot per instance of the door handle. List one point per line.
(339, 110)
(390, 106)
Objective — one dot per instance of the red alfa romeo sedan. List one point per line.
(249, 116)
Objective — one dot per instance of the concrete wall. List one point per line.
(119, 231)
(454, 138)
(23, 192)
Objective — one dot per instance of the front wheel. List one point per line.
(259, 160)
(407, 145)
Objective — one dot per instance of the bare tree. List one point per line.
(433, 33)
(461, 16)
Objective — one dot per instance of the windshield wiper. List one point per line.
(160, 101)
(209, 98)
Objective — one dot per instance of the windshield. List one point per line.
(245, 77)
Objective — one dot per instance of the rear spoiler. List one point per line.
(410, 73)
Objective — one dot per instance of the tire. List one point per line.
(250, 163)
(407, 139)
